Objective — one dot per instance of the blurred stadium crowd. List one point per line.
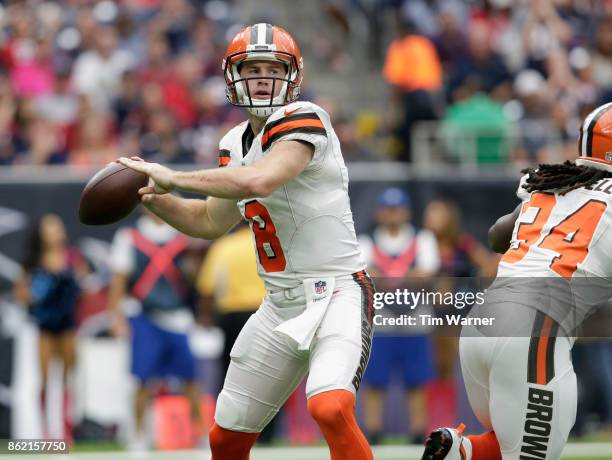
(517, 75)
(83, 81)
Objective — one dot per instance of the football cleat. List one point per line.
(447, 443)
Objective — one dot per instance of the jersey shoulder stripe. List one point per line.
(308, 123)
(289, 118)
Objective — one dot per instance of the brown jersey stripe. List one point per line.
(541, 359)
(297, 116)
(532, 361)
(550, 352)
(303, 129)
(543, 345)
(290, 124)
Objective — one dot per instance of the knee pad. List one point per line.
(238, 412)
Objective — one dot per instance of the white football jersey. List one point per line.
(305, 228)
(559, 253)
(562, 235)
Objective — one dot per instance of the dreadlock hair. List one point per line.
(563, 177)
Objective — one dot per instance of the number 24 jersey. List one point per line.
(562, 235)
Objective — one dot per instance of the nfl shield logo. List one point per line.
(320, 287)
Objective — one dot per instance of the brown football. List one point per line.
(110, 195)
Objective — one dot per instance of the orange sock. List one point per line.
(485, 446)
(334, 412)
(230, 445)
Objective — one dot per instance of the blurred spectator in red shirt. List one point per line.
(175, 77)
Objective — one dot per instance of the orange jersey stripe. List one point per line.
(291, 125)
(542, 348)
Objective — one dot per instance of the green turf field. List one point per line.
(573, 451)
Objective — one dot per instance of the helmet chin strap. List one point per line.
(261, 112)
(261, 107)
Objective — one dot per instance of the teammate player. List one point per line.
(523, 388)
(285, 175)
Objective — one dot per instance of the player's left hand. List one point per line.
(160, 177)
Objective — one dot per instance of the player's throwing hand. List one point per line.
(160, 175)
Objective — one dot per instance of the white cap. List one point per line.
(528, 82)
